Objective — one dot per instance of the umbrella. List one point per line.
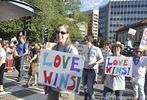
(15, 9)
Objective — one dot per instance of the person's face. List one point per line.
(117, 50)
(106, 48)
(88, 42)
(21, 39)
(61, 34)
(138, 53)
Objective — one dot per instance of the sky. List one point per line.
(92, 4)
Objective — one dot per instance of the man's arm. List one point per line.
(100, 57)
(0, 61)
(15, 53)
(34, 57)
(26, 49)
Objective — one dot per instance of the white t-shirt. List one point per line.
(139, 70)
(3, 55)
(94, 54)
(128, 43)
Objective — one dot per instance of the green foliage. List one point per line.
(10, 28)
(53, 13)
(79, 17)
(103, 41)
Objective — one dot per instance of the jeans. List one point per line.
(19, 64)
(107, 94)
(88, 82)
(2, 70)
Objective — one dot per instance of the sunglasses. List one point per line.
(58, 32)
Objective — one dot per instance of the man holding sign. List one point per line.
(114, 80)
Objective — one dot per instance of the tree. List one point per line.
(53, 13)
(10, 28)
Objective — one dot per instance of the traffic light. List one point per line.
(27, 22)
(46, 35)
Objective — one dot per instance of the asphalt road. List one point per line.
(15, 91)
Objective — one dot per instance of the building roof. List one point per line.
(12, 9)
(140, 23)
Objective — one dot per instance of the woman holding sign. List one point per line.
(138, 74)
(114, 83)
(63, 45)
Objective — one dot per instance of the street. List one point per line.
(15, 90)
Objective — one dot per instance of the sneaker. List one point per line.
(35, 84)
(2, 92)
(18, 79)
(26, 85)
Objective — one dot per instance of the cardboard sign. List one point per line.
(143, 43)
(132, 31)
(60, 70)
(118, 66)
(82, 50)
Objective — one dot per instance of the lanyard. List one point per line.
(89, 50)
(64, 49)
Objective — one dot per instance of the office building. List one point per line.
(120, 13)
(93, 23)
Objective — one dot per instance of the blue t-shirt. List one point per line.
(21, 48)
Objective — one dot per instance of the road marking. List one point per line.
(15, 91)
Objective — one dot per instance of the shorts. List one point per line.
(33, 69)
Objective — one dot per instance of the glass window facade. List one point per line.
(119, 13)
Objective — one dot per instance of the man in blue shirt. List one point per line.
(20, 53)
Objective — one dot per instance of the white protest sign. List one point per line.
(83, 50)
(132, 31)
(118, 66)
(143, 42)
(60, 70)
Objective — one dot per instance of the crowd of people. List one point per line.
(19, 51)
